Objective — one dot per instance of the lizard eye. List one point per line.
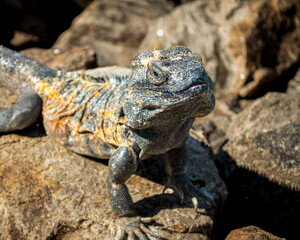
(155, 74)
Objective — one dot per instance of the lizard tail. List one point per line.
(16, 70)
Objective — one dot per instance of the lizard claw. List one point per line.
(185, 189)
(167, 186)
(132, 228)
(175, 188)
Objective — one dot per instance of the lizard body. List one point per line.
(82, 114)
(124, 119)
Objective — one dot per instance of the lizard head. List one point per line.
(170, 81)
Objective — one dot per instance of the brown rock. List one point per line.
(114, 29)
(260, 164)
(265, 138)
(238, 40)
(83, 3)
(72, 59)
(33, 30)
(251, 233)
(49, 192)
(294, 84)
(6, 97)
(34, 23)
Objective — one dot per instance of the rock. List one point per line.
(212, 130)
(83, 3)
(251, 233)
(214, 126)
(113, 70)
(6, 97)
(75, 58)
(60, 194)
(33, 31)
(238, 40)
(35, 23)
(48, 192)
(114, 29)
(294, 84)
(265, 138)
(260, 165)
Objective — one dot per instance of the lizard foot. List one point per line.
(132, 228)
(185, 189)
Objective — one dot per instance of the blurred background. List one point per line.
(251, 50)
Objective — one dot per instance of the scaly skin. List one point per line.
(124, 119)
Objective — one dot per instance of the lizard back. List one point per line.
(84, 113)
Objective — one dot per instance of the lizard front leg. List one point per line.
(122, 165)
(176, 160)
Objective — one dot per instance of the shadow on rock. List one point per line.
(255, 200)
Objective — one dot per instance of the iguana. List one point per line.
(123, 119)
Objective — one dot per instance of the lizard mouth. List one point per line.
(197, 87)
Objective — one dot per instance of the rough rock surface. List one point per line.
(264, 138)
(260, 165)
(294, 84)
(237, 39)
(75, 58)
(113, 28)
(48, 192)
(214, 126)
(251, 233)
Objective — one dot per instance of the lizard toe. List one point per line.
(132, 228)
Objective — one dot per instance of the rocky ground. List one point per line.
(247, 151)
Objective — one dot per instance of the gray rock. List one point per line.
(212, 130)
(265, 138)
(238, 40)
(48, 192)
(214, 126)
(113, 28)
